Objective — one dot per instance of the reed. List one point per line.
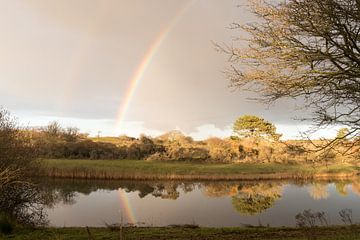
(142, 170)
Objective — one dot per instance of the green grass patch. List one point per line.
(150, 233)
(140, 169)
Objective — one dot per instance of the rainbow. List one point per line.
(134, 82)
(127, 209)
(145, 62)
(72, 79)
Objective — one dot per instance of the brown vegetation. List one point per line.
(306, 50)
(54, 141)
(19, 198)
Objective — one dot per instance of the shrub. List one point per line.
(6, 226)
(134, 152)
(155, 157)
(20, 199)
(54, 141)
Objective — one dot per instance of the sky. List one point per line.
(114, 67)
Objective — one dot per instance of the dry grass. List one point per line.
(143, 170)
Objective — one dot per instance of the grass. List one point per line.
(150, 233)
(143, 170)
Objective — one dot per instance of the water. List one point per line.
(214, 204)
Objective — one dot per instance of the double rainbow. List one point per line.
(134, 82)
(145, 62)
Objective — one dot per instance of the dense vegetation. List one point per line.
(254, 140)
(20, 199)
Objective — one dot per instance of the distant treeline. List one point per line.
(53, 141)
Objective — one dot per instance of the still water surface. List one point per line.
(216, 204)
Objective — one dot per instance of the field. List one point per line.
(255, 233)
(143, 170)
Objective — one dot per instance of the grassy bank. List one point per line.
(143, 170)
(257, 233)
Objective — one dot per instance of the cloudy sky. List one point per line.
(81, 61)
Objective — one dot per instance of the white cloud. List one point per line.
(210, 130)
(135, 129)
(104, 127)
(299, 131)
(107, 127)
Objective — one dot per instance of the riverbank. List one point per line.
(152, 233)
(144, 170)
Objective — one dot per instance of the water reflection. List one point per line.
(341, 188)
(66, 191)
(247, 198)
(236, 203)
(256, 198)
(356, 187)
(319, 191)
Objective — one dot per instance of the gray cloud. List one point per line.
(75, 59)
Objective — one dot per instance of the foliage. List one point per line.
(342, 133)
(224, 150)
(305, 49)
(16, 155)
(54, 141)
(19, 197)
(249, 126)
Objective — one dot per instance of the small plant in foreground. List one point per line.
(346, 216)
(308, 219)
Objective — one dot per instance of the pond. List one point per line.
(213, 204)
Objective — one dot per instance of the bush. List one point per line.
(55, 142)
(6, 226)
(223, 151)
(20, 199)
(134, 152)
(155, 157)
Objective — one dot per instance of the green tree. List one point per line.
(307, 49)
(254, 127)
(342, 133)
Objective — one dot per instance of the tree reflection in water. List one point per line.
(319, 191)
(356, 187)
(247, 198)
(341, 188)
(66, 191)
(256, 198)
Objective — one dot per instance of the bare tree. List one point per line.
(16, 153)
(19, 197)
(308, 49)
